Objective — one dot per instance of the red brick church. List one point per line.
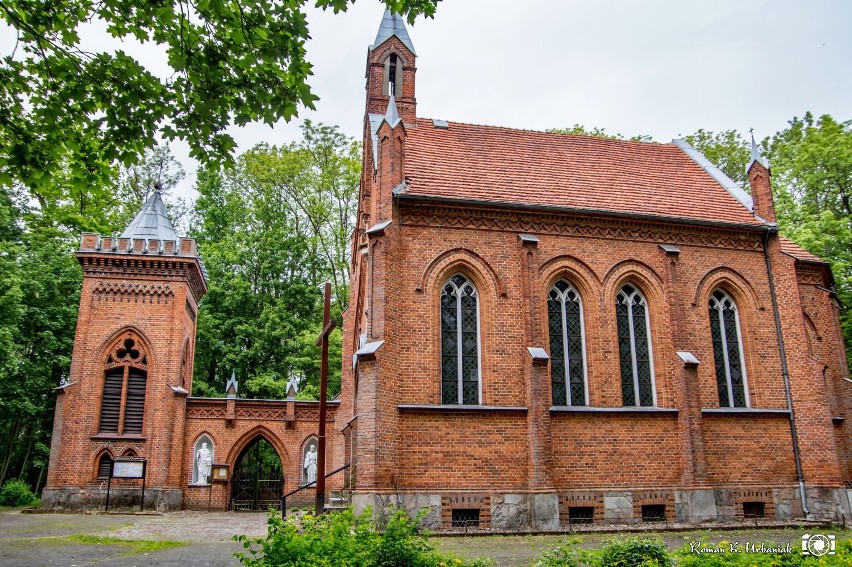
(542, 329)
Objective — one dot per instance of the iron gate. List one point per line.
(258, 482)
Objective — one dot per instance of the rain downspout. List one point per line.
(785, 372)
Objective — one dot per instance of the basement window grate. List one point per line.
(581, 514)
(754, 509)
(465, 518)
(654, 513)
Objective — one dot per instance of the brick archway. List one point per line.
(249, 437)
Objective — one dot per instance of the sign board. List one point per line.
(128, 468)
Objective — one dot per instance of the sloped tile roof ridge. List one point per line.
(523, 168)
(790, 248)
(546, 132)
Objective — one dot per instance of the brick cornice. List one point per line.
(126, 266)
(580, 226)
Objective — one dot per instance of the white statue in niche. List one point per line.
(310, 465)
(204, 461)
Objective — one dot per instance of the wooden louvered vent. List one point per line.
(134, 408)
(125, 382)
(111, 402)
(104, 466)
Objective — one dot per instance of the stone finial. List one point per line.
(392, 114)
(756, 156)
(232, 386)
(292, 388)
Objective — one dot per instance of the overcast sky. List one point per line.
(663, 67)
(658, 67)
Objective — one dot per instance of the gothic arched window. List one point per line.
(634, 348)
(125, 381)
(567, 346)
(727, 350)
(459, 342)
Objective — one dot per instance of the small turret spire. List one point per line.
(393, 25)
(151, 221)
(756, 156)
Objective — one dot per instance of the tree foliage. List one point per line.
(580, 130)
(811, 164)
(727, 150)
(67, 111)
(39, 290)
(270, 233)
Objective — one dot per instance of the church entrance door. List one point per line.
(258, 480)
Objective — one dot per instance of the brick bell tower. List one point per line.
(131, 369)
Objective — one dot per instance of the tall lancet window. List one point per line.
(392, 78)
(459, 342)
(634, 348)
(727, 350)
(567, 348)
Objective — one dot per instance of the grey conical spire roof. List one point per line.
(392, 114)
(393, 24)
(756, 156)
(151, 221)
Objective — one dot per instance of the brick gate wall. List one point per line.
(233, 424)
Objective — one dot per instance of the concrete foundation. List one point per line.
(76, 498)
(546, 512)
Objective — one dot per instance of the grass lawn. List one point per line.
(521, 550)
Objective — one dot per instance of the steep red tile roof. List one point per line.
(797, 252)
(521, 167)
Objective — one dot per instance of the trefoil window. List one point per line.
(125, 382)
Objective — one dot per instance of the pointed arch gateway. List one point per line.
(258, 479)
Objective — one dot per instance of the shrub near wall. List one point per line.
(17, 493)
(342, 540)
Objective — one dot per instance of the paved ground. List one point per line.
(35, 540)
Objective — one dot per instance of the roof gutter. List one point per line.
(784, 371)
(402, 196)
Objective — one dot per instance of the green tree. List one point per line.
(812, 183)
(39, 291)
(271, 231)
(728, 150)
(580, 130)
(71, 112)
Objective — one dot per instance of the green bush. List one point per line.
(566, 555)
(342, 540)
(631, 552)
(634, 552)
(16, 492)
